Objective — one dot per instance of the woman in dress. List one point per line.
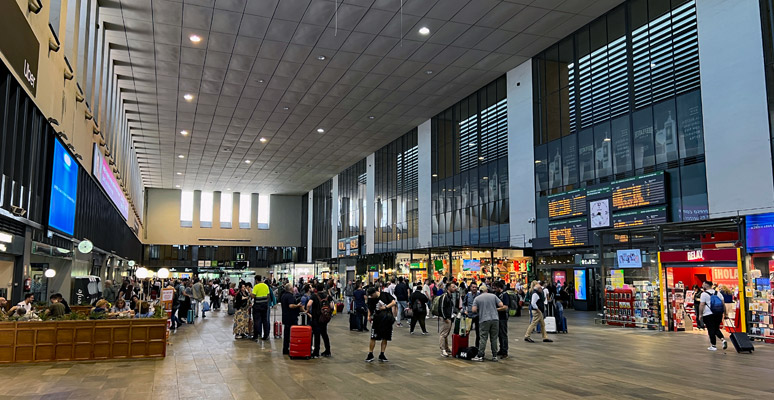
(242, 323)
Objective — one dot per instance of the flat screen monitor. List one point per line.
(631, 258)
(104, 174)
(580, 284)
(64, 190)
(471, 265)
(760, 233)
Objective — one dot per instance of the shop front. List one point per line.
(579, 272)
(759, 237)
(11, 261)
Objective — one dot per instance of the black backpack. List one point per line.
(325, 311)
(467, 353)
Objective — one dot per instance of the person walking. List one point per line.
(349, 292)
(537, 306)
(380, 305)
(402, 294)
(448, 308)
(198, 295)
(418, 303)
(502, 317)
(320, 305)
(697, 292)
(361, 309)
(712, 311)
(467, 310)
(260, 295)
(487, 305)
(290, 311)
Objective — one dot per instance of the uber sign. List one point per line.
(19, 44)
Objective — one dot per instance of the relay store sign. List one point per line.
(104, 174)
(19, 44)
(699, 256)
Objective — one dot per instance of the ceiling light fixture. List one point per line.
(180, 156)
(371, 117)
(321, 58)
(424, 31)
(435, 175)
(177, 186)
(261, 81)
(184, 132)
(180, 173)
(286, 108)
(481, 158)
(429, 72)
(247, 161)
(188, 97)
(320, 130)
(229, 189)
(195, 38)
(262, 140)
(607, 139)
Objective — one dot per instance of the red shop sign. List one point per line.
(698, 256)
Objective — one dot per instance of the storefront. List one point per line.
(580, 272)
(759, 236)
(11, 251)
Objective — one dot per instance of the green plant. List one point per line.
(75, 316)
(97, 315)
(158, 312)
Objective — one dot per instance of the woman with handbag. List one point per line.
(418, 307)
(242, 323)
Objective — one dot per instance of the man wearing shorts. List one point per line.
(380, 305)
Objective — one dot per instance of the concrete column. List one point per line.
(370, 214)
(197, 205)
(734, 108)
(521, 164)
(424, 144)
(309, 222)
(254, 210)
(335, 216)
(216, 210)
(235, 210)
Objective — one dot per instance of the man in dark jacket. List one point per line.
(290, 311)
(502, 316)
(447, 310)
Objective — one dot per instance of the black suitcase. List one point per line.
(353, 321)
(742, 342)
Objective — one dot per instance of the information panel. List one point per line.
(650, 216)
(64, 190)
(567, 205)
(573, 232)
(640, 191)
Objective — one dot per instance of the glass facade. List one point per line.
(767, 28)
(621, 98)
(322, 204)
(352, 201)
(396, 177)
(470, 170)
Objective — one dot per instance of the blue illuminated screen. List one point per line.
(64, 190)
(760, 233)
(580, 284)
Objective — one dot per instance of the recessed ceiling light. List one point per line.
(321, 58)
(481, 158)
(320, 130)
(177, 186)
(195, 38)
(261, 81)
(429, 72)
(262, 140)
(184, 132)
(228, 189)
(188, 97)
(247, 161)
(371, 117)
(286, 108)
(180, 173)
(435, 175)
(180, 156)
(424, 30)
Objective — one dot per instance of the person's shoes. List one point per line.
(370, 357)
(444, 353)
(314, 357)
(382, 358)
(265, 338)
(547, 341)
(725, 344)
(529, 339)
(478, 358)
(326, 354)
(254, 338)
(495, 359)
(285, 353)
(411, 332)
(712, 348)
(503, 356)
(400, 325)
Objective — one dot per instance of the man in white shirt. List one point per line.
(26, 304)
(712, 314)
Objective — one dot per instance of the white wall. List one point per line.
(733, 93)
(521, 165)
(370, 203)
(424, 144)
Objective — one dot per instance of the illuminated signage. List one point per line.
(19, 44)
(701, 256)
(650, 216)
(568, 233)
(566, 205)
(64, 190)
(104, 174)
(639, 191)
(580, 284)
(697, 255)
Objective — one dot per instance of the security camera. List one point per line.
(18, 211)
(531, 220)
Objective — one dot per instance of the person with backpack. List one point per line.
(320, 306)
(380, 305)
(418, 303)
(712, 311)
(446, 309)
(467, 309)
(402, 294)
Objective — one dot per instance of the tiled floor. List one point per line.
(592, 362)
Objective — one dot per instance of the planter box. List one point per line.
(82, 340)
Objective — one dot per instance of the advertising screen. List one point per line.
(760, 233)
(64, 190)
(580, 284)
(471, 265)
(104, 175)
(631, 258)
(559, 277)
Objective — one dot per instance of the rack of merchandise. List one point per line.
(762, 310)
(619, 307)
(690, 309)
(676, 308)
(646, 304)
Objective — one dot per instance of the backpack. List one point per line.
(716, 303)
(435, 308)
(467, 353)
(325, 311)
(514, 297)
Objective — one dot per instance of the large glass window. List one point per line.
(226, 209)
(264, 211)
(186, 209)
(244, 210)
(205, 210)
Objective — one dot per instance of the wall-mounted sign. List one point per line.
(699, 256)
(19, 44)
(104, 174)
(64, 189)
(630, 258)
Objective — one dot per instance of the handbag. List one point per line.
(206, 306)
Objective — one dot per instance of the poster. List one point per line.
(642, 122)
(580, 284)
(555, 164)
(665, 131)
(570, 164)
(617, 278)
(622, 146)
(559, 277)
(603, 157)
(631, 258)
(689, 124)
(586, 154)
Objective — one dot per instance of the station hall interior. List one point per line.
(175, 174)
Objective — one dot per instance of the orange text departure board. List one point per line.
(567, 205)
(572, 232)
(640, 191)
(634, 218)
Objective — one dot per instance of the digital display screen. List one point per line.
(104, 175)
(631, 258)
(580, 284)
(567, 205)
(64, 190)
(416, 266)
(569, 233)
(650, 216)
(639, 191)
(760, 233)
(471, 265)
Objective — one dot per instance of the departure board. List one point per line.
(649, 216)
(640, 191)
(567, 205)
(573, 232)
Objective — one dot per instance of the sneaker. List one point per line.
(445, 353)
(382, 358)
(400, 325)
(411, 333)
(495, 359)
(712, 348)
(503, 356)
(547, 341)
(370, 357)
(326, 354)
(478, 358)
(424, 333)
(529, 339)
(725, 344)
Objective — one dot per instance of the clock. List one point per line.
(85, 246)
(599, 213)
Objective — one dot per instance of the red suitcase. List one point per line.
(277, 329)
(300, 341)
(339, 308)
(458, 343)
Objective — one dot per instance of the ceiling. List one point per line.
(256, 73)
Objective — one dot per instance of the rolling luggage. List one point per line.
(742, 342)
(231, 310)
(459, 342)
(277, 329)
(190, 317)
(353, 321)
(300, 341)
(339, 308)
(550, 319)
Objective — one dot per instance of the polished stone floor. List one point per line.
(591, 362)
